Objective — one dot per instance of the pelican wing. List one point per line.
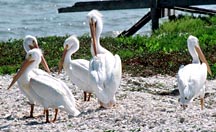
(50, 91)
(97, 73)
(81, 63)
(191, 79)
(78, 73)
(105, 74)
(116, 73)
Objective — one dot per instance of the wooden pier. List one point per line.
(157, 11)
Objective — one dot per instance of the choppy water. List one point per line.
(41, 18)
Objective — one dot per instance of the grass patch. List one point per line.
(161, 53)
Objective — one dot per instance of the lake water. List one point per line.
(41, 18)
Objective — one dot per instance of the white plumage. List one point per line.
(104, 68)
(192, 77)
(77, 69)
(45, 89)
(30, 42)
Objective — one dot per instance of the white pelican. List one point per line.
(192, 77)
(78, 69)
(104, 68)
(30, 42)
(45, 89)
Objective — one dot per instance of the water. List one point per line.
(41, 18)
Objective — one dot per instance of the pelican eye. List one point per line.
(66, 46)
(186, 98)
(30, 55)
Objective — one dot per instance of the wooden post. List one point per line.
(155, 14)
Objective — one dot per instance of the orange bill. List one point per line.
(203, 59)
(92, 25)
(62, 59)
(44, 63)
(20, 72)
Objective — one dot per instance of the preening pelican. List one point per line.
(104, 68)
(45, 89)
(192, 77)
(30, 42)
(77, 70)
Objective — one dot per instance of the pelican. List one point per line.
(105, 69)
(192, 77)
(78, 69)
(45, 89)
(30, 42)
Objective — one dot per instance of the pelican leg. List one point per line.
(89, 96)
(47, 116)
(31, 111)
(101, 105)
(202, 103)
(56, 112)
(85, 96)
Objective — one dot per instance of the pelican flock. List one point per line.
(101, 75)
(192, 77)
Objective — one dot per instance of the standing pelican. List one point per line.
(30, 42)
(192, 77)
(77, 69)
(104, 68)
(45, 89)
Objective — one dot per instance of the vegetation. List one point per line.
(161, 53)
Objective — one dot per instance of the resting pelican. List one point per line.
(30, 42)
(104, 68)
(45, 89)
(192, 77)
(78, 69)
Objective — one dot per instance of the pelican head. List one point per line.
(32, 60)
(196, 52)
(30, 42)
(71, 45)
(96, 26)
(95, 22)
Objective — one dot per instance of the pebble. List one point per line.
(140, 107)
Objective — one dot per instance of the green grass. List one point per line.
(162, 52)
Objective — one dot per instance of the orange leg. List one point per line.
(89, 96)
(85, 96)
(31, 111)
(202, 103)
(44, 112)
(56, 112)
(47, 116)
